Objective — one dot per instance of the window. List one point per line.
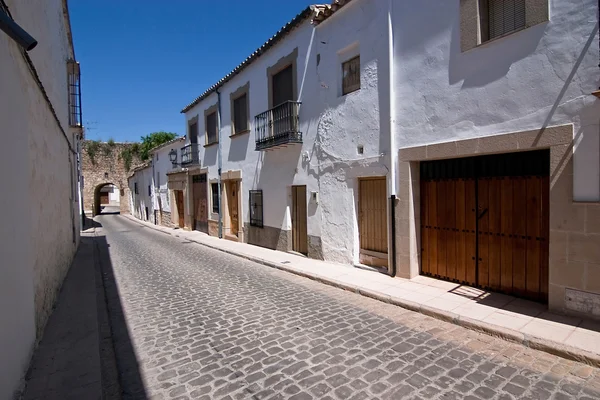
(156, 156)
(135, 188)
(211, 128)
(149, 190)
(240, 114)
(193, 132)
(215, 197)
(500, 17)
(256, 208)
(74, 75)
(484, 20)
(351, 75)
(157, 179)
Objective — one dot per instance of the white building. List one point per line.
(361, 105)
(304, 174)
(517, 82)
(41, 128)
(161, 165)
(140, 185)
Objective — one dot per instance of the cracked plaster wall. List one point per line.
(540, 76)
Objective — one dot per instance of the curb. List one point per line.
(511, 335)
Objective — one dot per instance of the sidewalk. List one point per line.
(499, 315)
(66, 364)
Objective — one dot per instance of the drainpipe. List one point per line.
(392, 111)
(219, 162)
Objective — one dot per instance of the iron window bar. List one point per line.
(256, 208)
(74, 77)
(189, 154)
(278, 126)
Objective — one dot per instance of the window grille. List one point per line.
(211, 128)
(351, 75)
(240, 114)
(500, 17)
(256, 208)
(74, 82)
(215, 197)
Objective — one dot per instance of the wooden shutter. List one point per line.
(351, 75)
(283, 86)
(211, 128)
(505, 16)
(240, 114)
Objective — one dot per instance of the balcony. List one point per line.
(278, 126)
(190, 155)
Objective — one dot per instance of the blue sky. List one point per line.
(142, 61)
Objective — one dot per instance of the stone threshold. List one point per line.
(516, 320)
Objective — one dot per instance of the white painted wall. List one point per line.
(332, 126)
(540, 76)
(161, 164)
(143, 198)
(40, 229)
(114, 196)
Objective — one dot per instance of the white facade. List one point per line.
(140, 184)
(161, 164)
(332, 126)
(538, 77)
(431, 88)
(39, 164)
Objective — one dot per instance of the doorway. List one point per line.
(232, 207)
(484, 222)
(299, 223)
(200, 196)
(180, 209)
(372, 221)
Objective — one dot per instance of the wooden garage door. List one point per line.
(484, 222)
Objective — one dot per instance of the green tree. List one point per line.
(152, 140)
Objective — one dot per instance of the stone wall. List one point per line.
(103, 166)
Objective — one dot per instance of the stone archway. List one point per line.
(98, 203)
(102, 164)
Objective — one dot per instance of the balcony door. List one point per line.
(283, 86)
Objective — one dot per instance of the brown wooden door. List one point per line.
(372, 218)
(283, 86)
(180, 210)
(200, 194)
(232, 204)
(299, 229)
(104, 198)
(484, 222)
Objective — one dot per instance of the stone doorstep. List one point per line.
(417, 302)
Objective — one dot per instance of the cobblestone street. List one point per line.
(189, 322)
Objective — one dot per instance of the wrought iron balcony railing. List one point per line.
(278, 126)
(189, 154)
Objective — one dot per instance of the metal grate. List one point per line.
(215, 197)
(256, 208)
(190, 154)
(278, 126)
(505, 16)
(74, 76)
(351, 75)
